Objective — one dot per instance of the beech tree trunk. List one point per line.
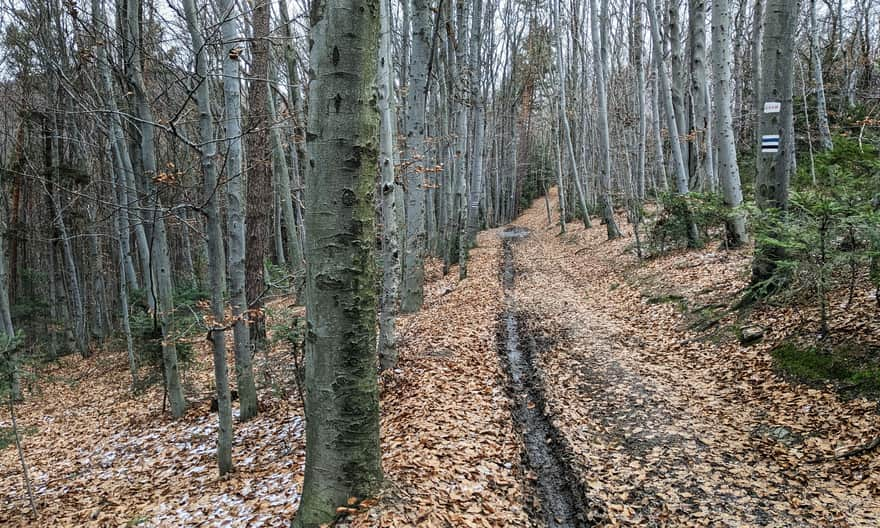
(416, 153)
(390, 237)
(235, 209)
(775, 166)
(728, 169)
(681, 175)
(216, 257)
(342, 400)
(160, 256)
(599, 60)
(821, 106)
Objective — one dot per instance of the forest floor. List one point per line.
(669, 420)
(632, 373)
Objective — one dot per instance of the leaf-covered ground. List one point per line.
(671, 421)
(100, 457)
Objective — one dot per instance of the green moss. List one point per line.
(854, 370)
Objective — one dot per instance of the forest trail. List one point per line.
(669, 426)
(658, 417)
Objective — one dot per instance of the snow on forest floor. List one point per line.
(99, 457)
(674, 427)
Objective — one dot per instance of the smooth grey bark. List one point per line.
(342, 399)
(459, 61)
(390, 299)
(660, 164)
(757, 37)
(235, 207)
(96, 276)
(728, 169)
(638, 56)
(121, 221)
(599, 60)
(160, 256)
(189, 268)
(821, 105)
(774, 169)
(475, 73)
(413, 293)
(216, 257)
(677, 70)
(700, 152)
(296, 154)
(124, 172)
(666, 97)
(560, 180)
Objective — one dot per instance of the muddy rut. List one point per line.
(560, 498)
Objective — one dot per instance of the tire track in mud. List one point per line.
(561, 502)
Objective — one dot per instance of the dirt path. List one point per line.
(560, 498)
(668, 429)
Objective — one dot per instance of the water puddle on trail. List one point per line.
(561, 502)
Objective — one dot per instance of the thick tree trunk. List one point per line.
(775, 165)
(216, 257)
(728, 169)
(342, 400)
(235, 213)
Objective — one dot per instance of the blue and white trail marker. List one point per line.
(770, 143)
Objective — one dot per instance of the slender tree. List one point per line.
(216, 256)
(160, 255)
(821, 106)
(235, 205)
(390, 299)
(599, 60)
(728, 169)
(413, 294)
